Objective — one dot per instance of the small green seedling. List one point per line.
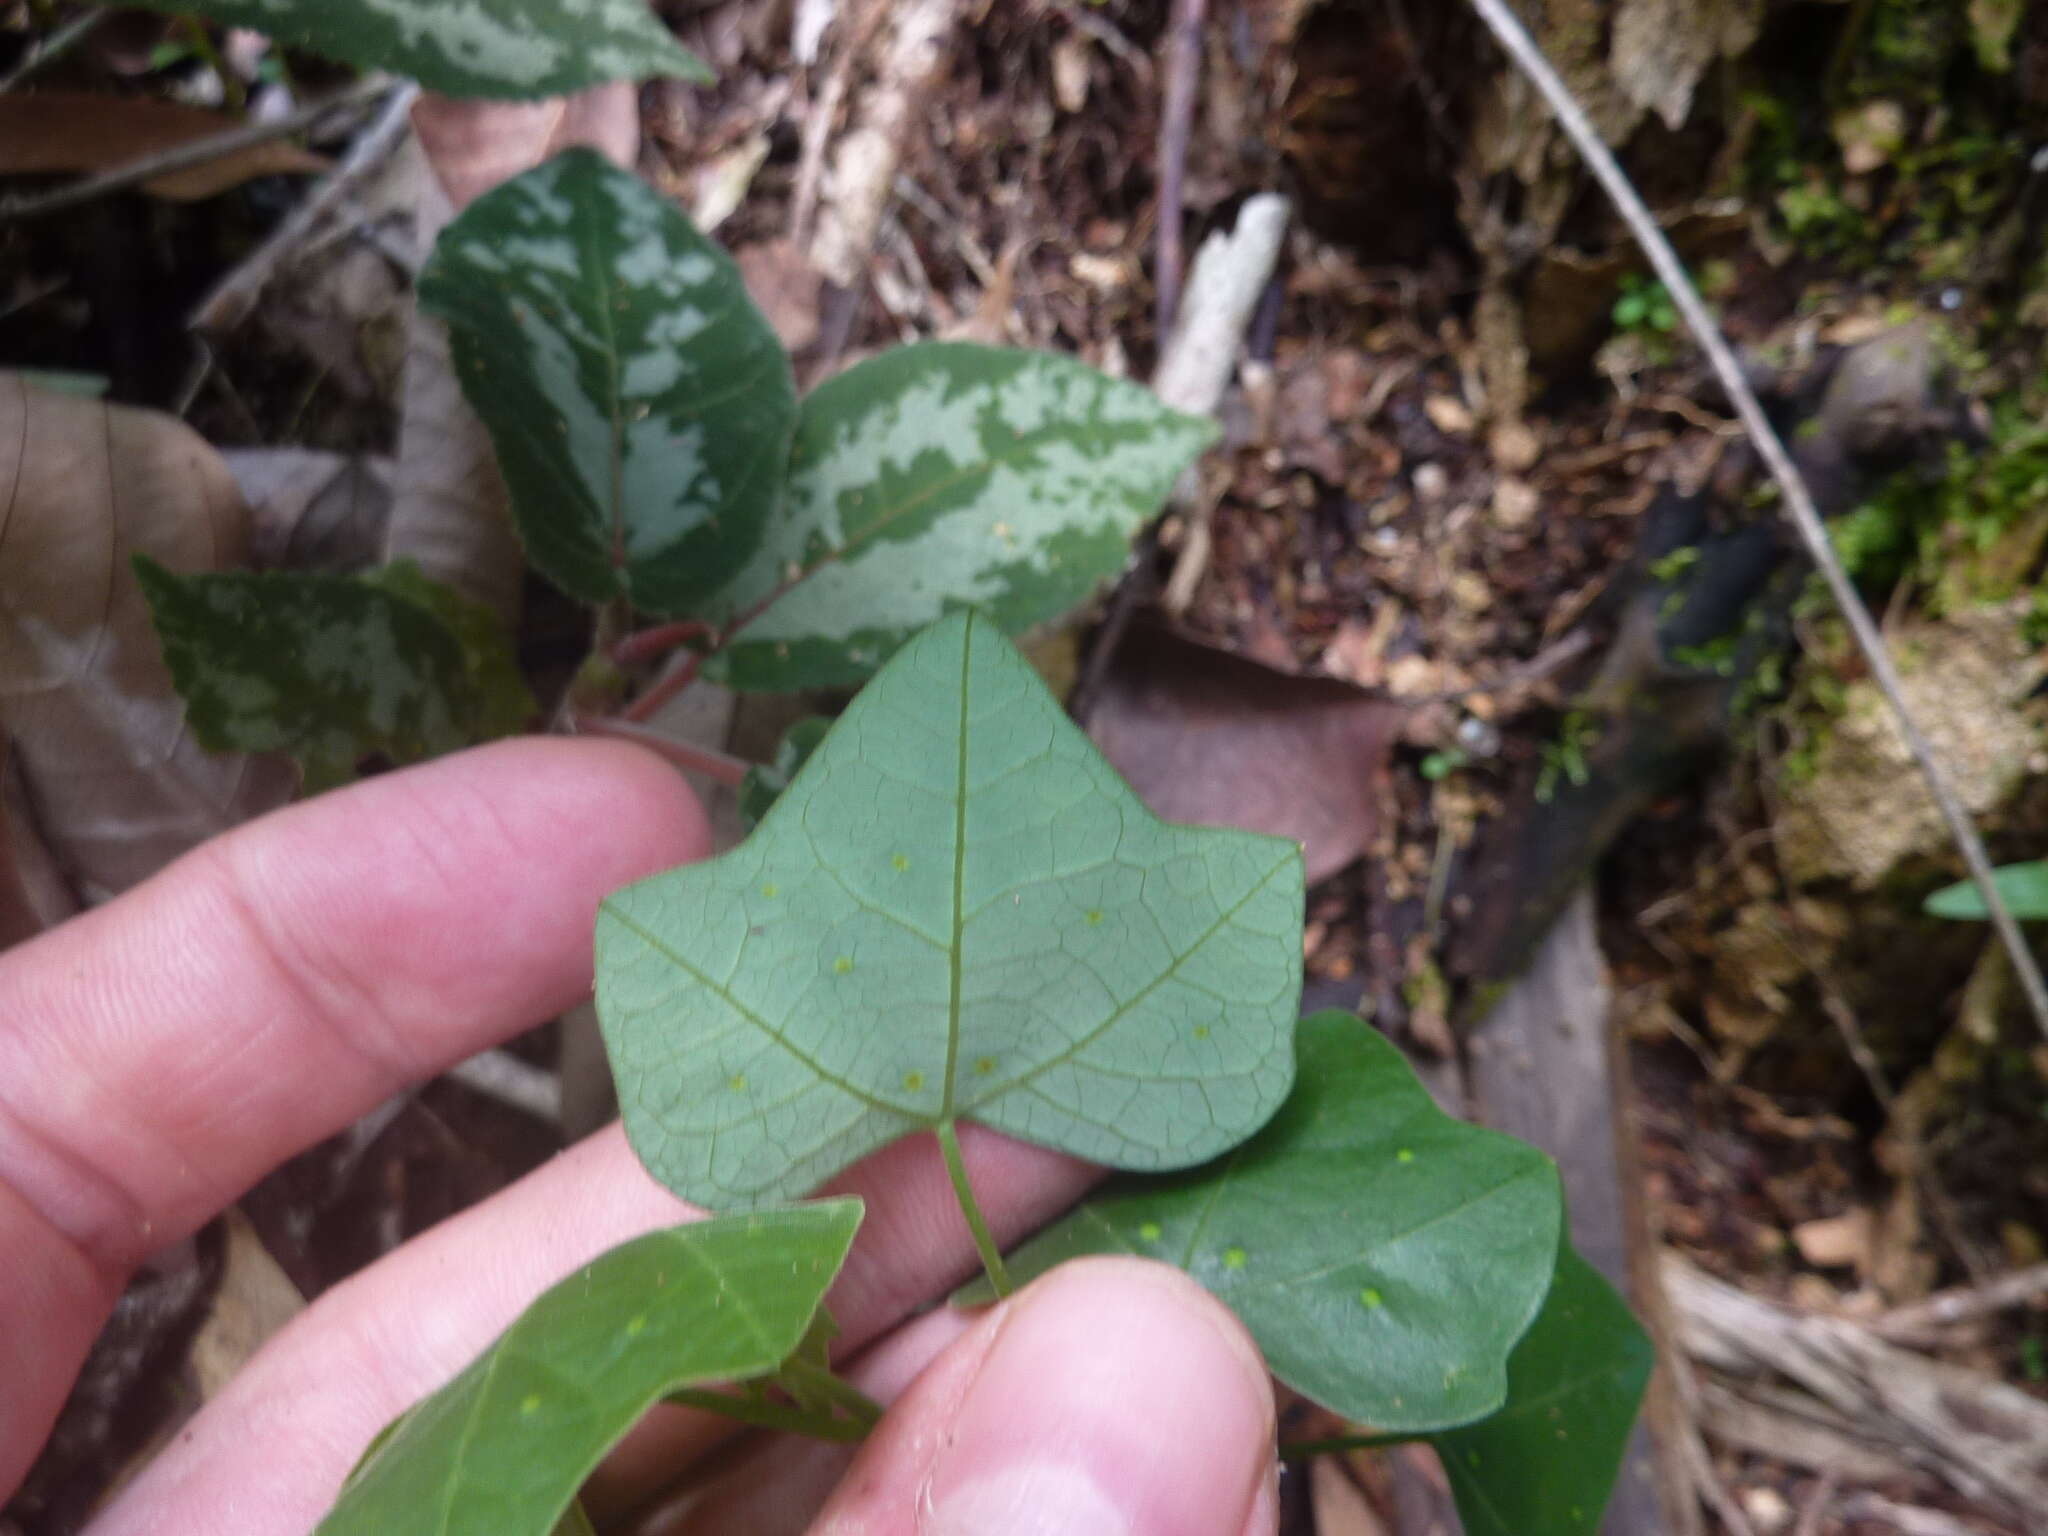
(2024, 888)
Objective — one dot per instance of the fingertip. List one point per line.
(1113, 1396)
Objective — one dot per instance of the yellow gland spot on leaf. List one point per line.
(914, 1082)
(843, 964)
(1372, 1299)
(1234, 1257)
(900, 863)
(984, 1065)
(1151, 1231)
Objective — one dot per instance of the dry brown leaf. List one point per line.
(1214, 739)
(33, 892)
(117, 786)
(255, 1300)
(475, 145)
(785, 287)
(1837, 1242)
(449, 511)
(54, 131)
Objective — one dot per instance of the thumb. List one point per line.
(1114, 1397)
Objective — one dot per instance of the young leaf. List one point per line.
(1546, 1463)
(2024, 887)
(1384, 1255)
(331, 668)
(501, 1450)
(504, 48)
(956, 912)
(941, 474)
(765, 782)
(640, 404)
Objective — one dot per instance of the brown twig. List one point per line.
(58, 42)
(714, 765)
(182, 157)
(1183, 65)
(1806, 518)
(1944, 1309)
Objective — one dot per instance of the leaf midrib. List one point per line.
(959, 878)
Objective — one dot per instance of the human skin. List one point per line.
(160, 1054)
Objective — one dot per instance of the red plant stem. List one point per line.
(652, 644)
(666, 687)
(705, 760)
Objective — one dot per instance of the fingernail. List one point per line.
(1118, 1399)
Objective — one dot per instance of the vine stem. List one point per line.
(1806, 518)
(984, 1240)
(858, 1407)
(1334, 1445)
(763, 1414)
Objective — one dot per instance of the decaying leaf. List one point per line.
(956, 912)
(89, 131)
(1219, 741)
(33, 892)
(118, 786)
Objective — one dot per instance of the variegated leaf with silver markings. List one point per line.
(640, 405)
(942, 474)
(497, 48)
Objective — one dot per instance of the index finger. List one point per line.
(159, 1055)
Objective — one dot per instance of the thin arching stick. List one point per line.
(1514, 37)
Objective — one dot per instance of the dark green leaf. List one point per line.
(327, 668)
(504, 704)
(503, 48)
(501, 1450)
(1546, 1463)
(942, 474)
(957, 912)
(640, 404)
(2024, 887)
(764, 783)
(1385, 1256)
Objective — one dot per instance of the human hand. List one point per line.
(157, 1056)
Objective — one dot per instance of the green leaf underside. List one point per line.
(1546, 1463)
(2024, 887)
(640, 405)
(943, 474)
(956, 912)
(765, 782)
(501, 1450)
(502, 48)
(1384, 1255)
(327, 668)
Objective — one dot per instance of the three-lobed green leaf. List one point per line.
(2023, 886)
(956, 912)
(502, 48)
(332, 669)
(943, 474)
(640, 404)
(501, 1450)
(1385, 1256)
(1546, 1463)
